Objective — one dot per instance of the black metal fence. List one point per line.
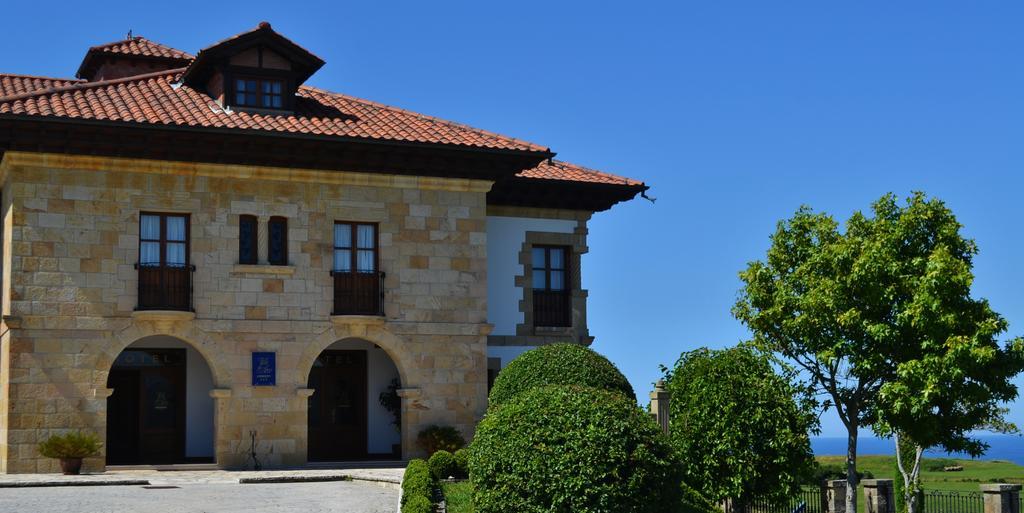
(809, 500)
(943, 501)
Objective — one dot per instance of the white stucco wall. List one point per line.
(380, 370)
(198, 403)
(506, 353)
(505, 237)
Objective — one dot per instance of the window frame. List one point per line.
(546, 269)
(258, 93)
(162, 241)
(254, 243)
(354, 248)
(564, 317)
(270, 240)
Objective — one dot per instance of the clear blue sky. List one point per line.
(734, 112)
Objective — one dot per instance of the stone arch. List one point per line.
(183, 331)
(393, 347)
(392, 344)
(198, 430)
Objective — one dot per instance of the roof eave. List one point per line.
(512, 161)
(563, 194)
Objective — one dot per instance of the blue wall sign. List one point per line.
(264, 369)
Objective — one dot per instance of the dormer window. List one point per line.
(259, 93)
(257, 70)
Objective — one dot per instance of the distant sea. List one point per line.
(1001, 447)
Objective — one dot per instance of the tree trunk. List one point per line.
(911, 477)
(851, 466)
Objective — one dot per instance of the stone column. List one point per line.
(262, 236)
(835, 496)
(223, 456)
(410, 420)
(659, 405)
(879, 496)
(1001, 498)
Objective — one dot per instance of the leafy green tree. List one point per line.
(741, 429)
(848, 308)
(944, 395)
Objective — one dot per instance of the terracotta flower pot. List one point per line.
(71, 466)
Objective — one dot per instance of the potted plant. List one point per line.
(70, 448)
(393, 404)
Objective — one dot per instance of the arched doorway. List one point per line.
(354, 412)
(160, 411)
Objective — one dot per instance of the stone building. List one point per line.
(205, 260)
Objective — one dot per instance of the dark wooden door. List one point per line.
(146, 413)
(337, 408)
(123, 417)
(162, 415)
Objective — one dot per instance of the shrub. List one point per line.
(740, 426)
(571, 448)
(836, 472)
(442, 465)
(936, 464)
(462, 463)
(558, 364)
(70, 445)
(438, 438)
(417, 483)
(418, 504)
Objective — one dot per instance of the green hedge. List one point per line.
(442, 465)
(558, 364)
(571, 448)
(417, 488)
(418, 504)
(462, 463)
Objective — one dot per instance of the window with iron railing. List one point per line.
(358, 281)
(165, 275)
(552, 304)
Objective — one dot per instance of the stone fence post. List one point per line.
(1001, 498)
(659, 405)
(879, 496)
(835, 496)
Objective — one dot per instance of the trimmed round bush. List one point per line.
(558, 364)
(571, 448)
(462, 463)
(442, 465)
(435, 438)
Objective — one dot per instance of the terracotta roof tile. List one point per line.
(139, 45)
(158, 98)
(19, 84)
(558, 170)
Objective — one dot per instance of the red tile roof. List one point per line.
(558, 170)
(160, 98)
(141, 46)
(19, 84)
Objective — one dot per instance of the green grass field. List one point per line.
(458, 497)
(975, 472)
(460, 500)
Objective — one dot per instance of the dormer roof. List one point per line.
(137, 50)
(303, 63)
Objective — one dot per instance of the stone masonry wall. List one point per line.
(71, 238)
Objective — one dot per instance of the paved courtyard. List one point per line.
(317, 497)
